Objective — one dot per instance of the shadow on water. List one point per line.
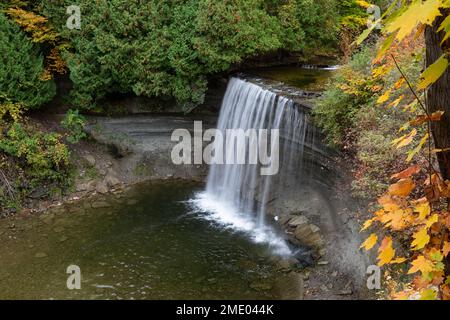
(143, 244)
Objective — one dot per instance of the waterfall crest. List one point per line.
(237, 195)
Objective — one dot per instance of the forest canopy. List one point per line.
(170, 48)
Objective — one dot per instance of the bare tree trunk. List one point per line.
(438, 98)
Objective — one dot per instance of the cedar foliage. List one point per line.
(22, 68)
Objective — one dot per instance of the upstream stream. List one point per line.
(152, 242)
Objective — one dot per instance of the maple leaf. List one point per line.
(370, 242)
(423, 209)
(386, 252)
(388, 203)
(403, 188)
(446, 248)
(418, 12)
(434, 72)
(421, 239)
(428, 294)
(407, 173)
(398, 219)
(421, 264)
(431, 220)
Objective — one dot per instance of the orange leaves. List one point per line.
(386, 252)
(407, 173)
(436, 116)
(446, 248)
(403, 188)
(370, 242)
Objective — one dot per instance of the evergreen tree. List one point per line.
(22, 68)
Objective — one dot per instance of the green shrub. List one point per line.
(22, 68)
(44, 156)
(351, 118)
(347, 92)
(74, 123)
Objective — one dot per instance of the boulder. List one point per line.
(111, 180)
(101, 188)
(297, 221)
(89, 159)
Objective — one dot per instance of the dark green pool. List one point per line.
(145, 244)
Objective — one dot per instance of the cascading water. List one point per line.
(237, 195)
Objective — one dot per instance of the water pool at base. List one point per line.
(144, 244)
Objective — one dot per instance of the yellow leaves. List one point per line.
(421, 264)
(405, 140)
(385, 97)
(432, 220)
(398, 219)
(434, 72)
(388, 203)
(403, 188)
(34, 24)
(423, 209)
(428, 294)
(362, 3)
(418, 12)
(396, 102)
(398, 260)
(417, 149)
(385, 46)
(445, 26)
(386, 252)
(367, 224)
(381, 71)
(370, 242)
(421, 239)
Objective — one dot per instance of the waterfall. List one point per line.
(237, 195)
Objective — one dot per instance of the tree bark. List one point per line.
(438, 98)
